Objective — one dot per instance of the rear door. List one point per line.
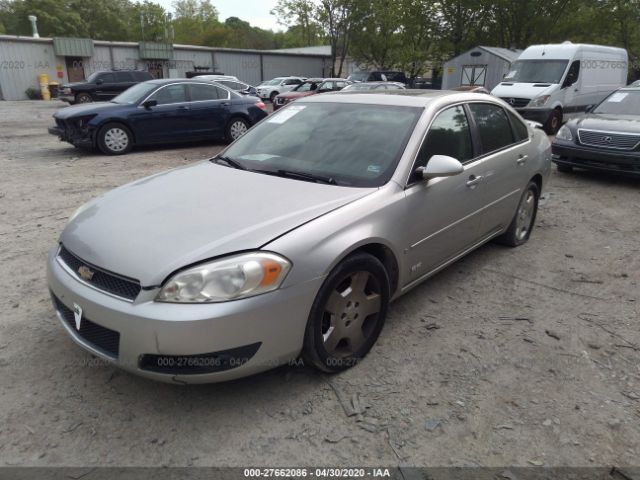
(124, 80)
(209, 110)
(505, 150)
(443, 214)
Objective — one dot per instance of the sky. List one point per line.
(256, 12)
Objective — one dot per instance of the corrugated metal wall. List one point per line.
(245, 66)
(497, 67)
(21, 61)
(20, 64)
(279, 66)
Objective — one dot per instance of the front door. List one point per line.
(165, 122)
(443, 214)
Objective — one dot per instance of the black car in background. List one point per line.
(607, 138)
(379, 76)
(102, 86)
(159, 111)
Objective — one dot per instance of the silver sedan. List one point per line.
(294, 240)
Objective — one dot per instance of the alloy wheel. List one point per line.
(525, 215)
(351, 313)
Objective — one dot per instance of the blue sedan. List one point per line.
(159, 111)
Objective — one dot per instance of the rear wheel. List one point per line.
(554, 122)
(236, 128)
(114, 139)
(521, 226)
(83, 98)
(348, 314)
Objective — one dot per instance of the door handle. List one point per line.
(522, 159)
(183, 107)
(473, 181)
(226, 104)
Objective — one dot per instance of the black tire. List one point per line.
(236, 127)
(272, 97)
(554, 122)
(564, 168)
(361, 314)
(524, 219)
(114, 139)
(83, 98)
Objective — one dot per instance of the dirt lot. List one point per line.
(510, 357)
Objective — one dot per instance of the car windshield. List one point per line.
(306, 86)
(135, 94)
(620, 103)
(361, 86)
(93, 77)
(537, 71)
(351, 144)
(358, 77)
(275, 81)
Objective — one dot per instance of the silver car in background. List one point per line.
(294, 240)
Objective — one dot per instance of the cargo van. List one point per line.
(550, 84)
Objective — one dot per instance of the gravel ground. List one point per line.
(509, 357)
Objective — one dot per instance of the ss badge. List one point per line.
(77, 315)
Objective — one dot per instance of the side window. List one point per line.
(572, 74)
(520, 131)
(493, 126)
(292, 82)
(449, 135)
(124, 77)
(170, 94)
(106, 78)
(200, 92)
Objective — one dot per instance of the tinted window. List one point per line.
(141, 76)
(123, 77)
(200, 92)
(170, 94)
(449, 135)
(520, 131)
(493, 126)
(572, 74)
(106, 77)
(292, 82)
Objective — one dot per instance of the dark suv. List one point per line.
(102, 86)
(379, 76)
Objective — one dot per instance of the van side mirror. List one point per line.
(150, 103)
(440, 166)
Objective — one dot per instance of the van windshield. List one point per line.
(537, 71)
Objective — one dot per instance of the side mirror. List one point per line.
(150, 103)
(589, 108)
(440, 166)
(99, 81)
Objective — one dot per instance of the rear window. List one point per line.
(493, 126)
(520, 131)
(107, 77)
(200, 92)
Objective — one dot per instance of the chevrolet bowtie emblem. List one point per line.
(85, 273)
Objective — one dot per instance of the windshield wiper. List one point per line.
(229, 162)
(309, 177)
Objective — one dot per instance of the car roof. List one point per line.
(414, 98)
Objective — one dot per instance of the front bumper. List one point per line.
(267, 329)
(74, 137)
(540, 115)
(580, 156)
(67, 98)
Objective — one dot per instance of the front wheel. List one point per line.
(236, 128)
(348, 314)
(114, 139)
(521, 226)
(83, 98)
(554, 122)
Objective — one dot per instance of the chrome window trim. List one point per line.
(215, 84)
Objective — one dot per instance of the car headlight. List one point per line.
(564, 134)
(66, 91)
(230, 278)
(539, 101)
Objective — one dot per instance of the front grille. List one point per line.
(123, 287)
(199, 364)
(101, 338)
(616, 141)
(516, 102)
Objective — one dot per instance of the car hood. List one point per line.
(292, 95)
(86, 109)
(522, 90)
(148, 229)
(609, 123)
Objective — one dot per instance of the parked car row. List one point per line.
(311, 86)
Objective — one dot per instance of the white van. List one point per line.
(553, 83)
